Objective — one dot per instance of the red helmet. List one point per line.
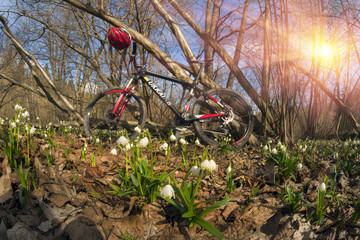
(119, 38)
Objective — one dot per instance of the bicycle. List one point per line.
(217, 115)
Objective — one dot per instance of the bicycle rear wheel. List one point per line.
(234, 128)
(101, 123)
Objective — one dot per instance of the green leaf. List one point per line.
(214, 207)
(134, 180)
(176, 204)
(189, 214)
(184, 202)
(208, 227)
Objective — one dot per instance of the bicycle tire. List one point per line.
(100, 123)
(214, 130)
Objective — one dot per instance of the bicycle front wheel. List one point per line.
(101, 123)
(236, 127)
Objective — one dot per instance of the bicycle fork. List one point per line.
(125, 93)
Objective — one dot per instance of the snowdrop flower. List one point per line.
(336, 155)
(32, 130)
(97, 140)
(195, 170)
(172, 137)
(144, 142)
(182, 141)
(25, 114)
(283, 148)
(208, 165)
(18, 107)
(37, 118)
(128, 146)
(122, 141)
(322, 187)
(212, 166)
(113, 152)
(137, 129)
(274, 151)
(167, 192)
(17, 121)
(205, 165)
(197, 142)
(269, 141)
(228, 169)
(45, 135)
(299, 166)
(266, 147)
(2, 121)
(164, 147)
(346, 143)
(13, 125)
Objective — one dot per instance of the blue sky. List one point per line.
(5, 4)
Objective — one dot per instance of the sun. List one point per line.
(326, 51)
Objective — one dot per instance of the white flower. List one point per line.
(346, 144)
(228, 169)
(144, 142)
(322, 187)
(283, 148)
(274, 151)
(122, 141)
(164, 147)
(167, 192)
(195, 170)
(113, 152)
(212, 166)
(2, 121)
(25, 114)
(269, 141)
(266, 147)
(197, 142)
(17, 120)
(32, 130)
(45, 135)
(18, 107)
(182, 141)
(208, 165)
(299, 166)
(137, 129)
(37, 118)
(336, 155)
(97, 140)
(128, 146)
(13, 125)
(172, 137)
(205, 165)
(26, 128)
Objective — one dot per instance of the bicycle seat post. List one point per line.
(198, 74)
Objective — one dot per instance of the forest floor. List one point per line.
(69, 192)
